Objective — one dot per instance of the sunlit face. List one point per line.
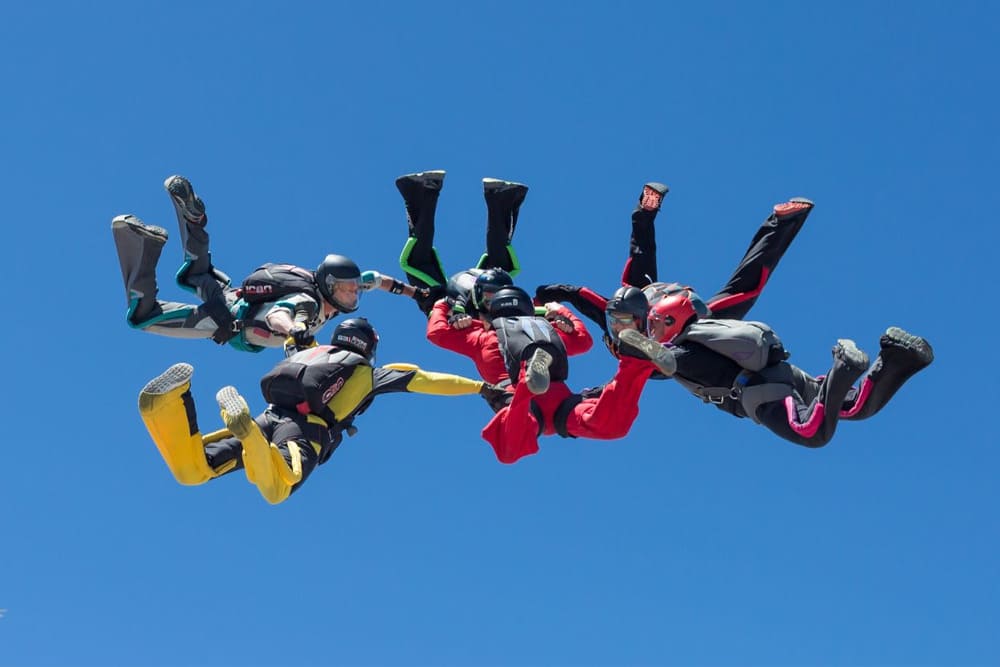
(346, 293)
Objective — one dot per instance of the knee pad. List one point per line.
(172, 422)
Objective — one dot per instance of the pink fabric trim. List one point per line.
(809, 428)
(859, 402)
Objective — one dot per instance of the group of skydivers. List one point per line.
(520, 345)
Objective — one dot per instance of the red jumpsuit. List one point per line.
(513, 431)
(480, 345)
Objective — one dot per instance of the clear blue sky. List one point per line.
(698, 540)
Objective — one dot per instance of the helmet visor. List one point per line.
(346, 294)
(618, 322)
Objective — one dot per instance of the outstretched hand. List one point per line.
(557, 319)
(497, 397)
(554, 292)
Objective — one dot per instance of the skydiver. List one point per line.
(313, 398)
(245, 317)
(419, 258)
(534, 352)
(640, 273)
(741, 368)
(457, 308)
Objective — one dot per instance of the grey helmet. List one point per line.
(334, 269)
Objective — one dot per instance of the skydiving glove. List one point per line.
(556, 292)
(459, 319)
(227, 325)
(426, 298)
(370, 280)
(223, 335)
(497, 397)
(560, 321)
(300, 338)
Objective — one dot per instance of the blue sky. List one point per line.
(699, 539)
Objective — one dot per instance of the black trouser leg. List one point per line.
(766, 249)
(811, 422)
(897, 362)
(640, 268)
(419, 259)
(502, 209)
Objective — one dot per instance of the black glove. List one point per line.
(427, 297)
(555, 292)
(223, 335)
(303, 339)
(227, 325)
(557, 318)
(497, 397)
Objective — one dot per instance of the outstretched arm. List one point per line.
(410, 378)
(590, 304)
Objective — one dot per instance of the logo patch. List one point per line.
(332, 390)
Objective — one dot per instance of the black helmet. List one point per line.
(630, 301)
(511, 302)
(486, 285)
(335, 269)
(356, 335)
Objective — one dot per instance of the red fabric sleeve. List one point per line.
(579, 340)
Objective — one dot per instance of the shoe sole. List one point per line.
(424, 178)
(235, 412)
(182, 192)
(848, 351)
(649, 348)
(139, 227)
(496, 185)
(898, 338)
(537, 376)
(807, 205)
(174, 377)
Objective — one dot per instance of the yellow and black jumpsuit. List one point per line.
(314, 397)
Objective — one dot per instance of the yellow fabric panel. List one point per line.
(166, 420)
(442, 384)
(355, 390)
(266, 468)
(400, 366)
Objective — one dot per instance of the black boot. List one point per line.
(901, 357)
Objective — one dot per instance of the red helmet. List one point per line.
(671, 314)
